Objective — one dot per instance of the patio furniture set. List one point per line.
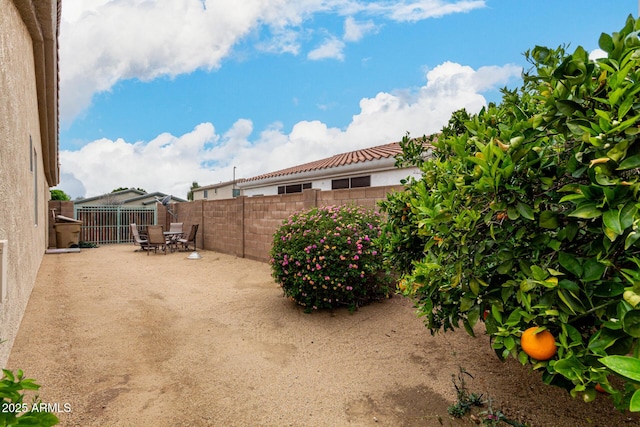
(157, 239)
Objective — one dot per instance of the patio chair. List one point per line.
(176, 231)
(176, 227)
(137, 239)
(156, 239)
(191, 238)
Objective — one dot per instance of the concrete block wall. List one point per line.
(223, 222)
(244, 226)
(263, 216)
(189, 214)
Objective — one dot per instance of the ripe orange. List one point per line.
(540, 346)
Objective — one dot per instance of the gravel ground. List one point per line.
(121, 338)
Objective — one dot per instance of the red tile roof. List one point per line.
(366, 154)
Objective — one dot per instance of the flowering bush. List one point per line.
(326, 257)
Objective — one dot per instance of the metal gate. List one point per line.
(110, 224)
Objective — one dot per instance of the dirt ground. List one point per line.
(121, 338)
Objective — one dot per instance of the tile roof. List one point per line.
(364, 155)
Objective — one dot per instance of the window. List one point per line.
(361, 181)
(293, 188)
(206, 194)
(356, 182)
(338, 184)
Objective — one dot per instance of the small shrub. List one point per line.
(326, 257)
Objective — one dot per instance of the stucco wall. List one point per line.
(24, 190)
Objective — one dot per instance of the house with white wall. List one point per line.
(29, 148)
(367, 167)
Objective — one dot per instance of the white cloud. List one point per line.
(332, 48)
(170, 163)
(597, 54)
(105, 41)
(425, 9)
(354, 31)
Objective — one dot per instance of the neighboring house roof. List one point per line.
(133, 191)
(379, 152)
(129, 196)
(42, 19)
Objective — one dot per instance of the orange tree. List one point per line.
(527, 215)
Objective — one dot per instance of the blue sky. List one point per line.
(158, 94)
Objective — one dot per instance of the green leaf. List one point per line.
(570, 263)
(525, 211)
(608, 289)
(627, 215)
(586, 211)
(568, 368)
(468, 328)
(634, 403)
(570, 285)
(495, 312)
(473, 315)
(631, 323)
(509, 343)
(539, 273)
(505, 267)
(40, 419)
(606, 43)
(466, 304)
(474, 286)
(632, 162)
(512, 213)
(631, 239)
(523, 358)
(593, 270)
(567, 107)
(548, 220)
(628, 367)
(572, 302)
(570, 197)
(611, 220)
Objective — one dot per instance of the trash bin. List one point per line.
(67, 232)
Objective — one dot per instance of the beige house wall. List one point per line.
(213, 192)
(24, 190)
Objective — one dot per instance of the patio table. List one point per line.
(173, 237)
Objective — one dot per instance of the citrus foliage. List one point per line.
(326, 257)
(15, 411)
(529, 212)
